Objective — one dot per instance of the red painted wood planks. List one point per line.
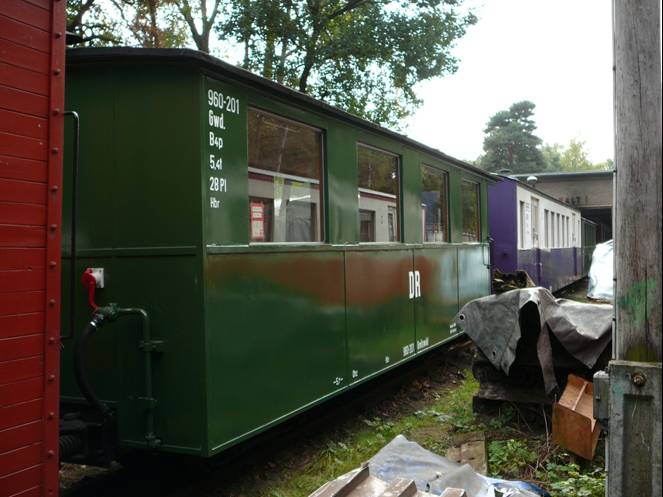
(21, 303)
(19, 124)
(24, 259)
(22, 191)
(22, 214)
(16, 460)
(23, 412)
(19, 481)
(20, 347)
(21, 393)
(31, 89)
(21, 146)
(22, 79)
(24, 35)
(22, 236)
(21, 56)
(22, 280)
(26, 12)
(21, 369)
(23, 169)
(23, 101)
(16, 325)
(18, 436)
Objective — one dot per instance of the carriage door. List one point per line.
(574, 244)
(536, 251)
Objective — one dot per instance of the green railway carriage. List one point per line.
(589, 236)
(280, 250)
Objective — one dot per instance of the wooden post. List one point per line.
(637, 214)
(634, 399)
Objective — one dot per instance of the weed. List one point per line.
(566, 478)
(506, 416)
(508, 458)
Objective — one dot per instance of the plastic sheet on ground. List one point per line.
(601, 284)
(494, 324)
(432, 473)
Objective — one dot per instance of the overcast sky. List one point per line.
(558, 54)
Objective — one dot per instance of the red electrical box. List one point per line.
(32, 38)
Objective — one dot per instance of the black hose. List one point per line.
(79, 369)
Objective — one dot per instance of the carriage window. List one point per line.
(378, 195)
(522, 224)
(366, 226)
(285, 180)
(471, 217)
(434, 204)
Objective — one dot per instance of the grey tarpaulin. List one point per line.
(402, 458)
(493, 323)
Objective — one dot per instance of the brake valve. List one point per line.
(93, 278)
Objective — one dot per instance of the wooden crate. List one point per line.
(574, 426)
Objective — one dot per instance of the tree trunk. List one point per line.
(280, 69)
(245, 64)
(311, 46)
(153, 34)
(309, 60)
(268, 63)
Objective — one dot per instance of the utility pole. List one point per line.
(632, 393)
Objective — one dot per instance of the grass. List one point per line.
(517, 449)
(446, 413)
(435, 411)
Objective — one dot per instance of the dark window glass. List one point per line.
(378, 195)
(285, 180)
(366, 226)
(435, 204)
(471, 212)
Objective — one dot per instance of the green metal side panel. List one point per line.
(252, 334)
(224, 163)
(438, 304)
(455, 208)
(342, 201)
(411, 196)
(276, 337)
(138, 182)
(115, 362)
(473, 272)
(380, 314)
(140, 220)
(483, 189)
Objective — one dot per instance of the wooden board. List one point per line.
(31, 89)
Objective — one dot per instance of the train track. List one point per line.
(168, 476)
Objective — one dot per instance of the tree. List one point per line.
(90, 20)
(144, 23)
(152, 23)
(606, 165)
(571, 158)
(575, 158)
(193, 12)
(510, 142)
(364, 56)
(552, 157)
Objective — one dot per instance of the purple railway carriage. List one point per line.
(537, 233)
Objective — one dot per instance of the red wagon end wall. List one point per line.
(32, 36)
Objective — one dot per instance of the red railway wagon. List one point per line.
(32, 36)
